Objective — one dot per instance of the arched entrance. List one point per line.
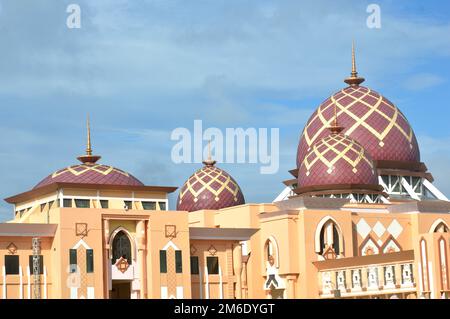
(121, 259)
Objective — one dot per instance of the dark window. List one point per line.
(121, 247)
(162, 205)
(104, 203)
(89, 260)
(149, 205)
(67, 202)
(128, 204)
(194, 265)
(213, 265)
(12, 264)
(41, 264)
(73, 260)
(178, 262)
(162, 261)
(82, 203)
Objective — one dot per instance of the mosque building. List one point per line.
(360, 218)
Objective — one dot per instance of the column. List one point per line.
(237, 265)
(106, 263)
(140, 234)
(291, 286)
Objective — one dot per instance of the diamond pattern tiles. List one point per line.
(378, 230)
(369, 118)
(209, 188)
(336, 159)
(90, 174)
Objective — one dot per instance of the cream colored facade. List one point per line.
(379, 250)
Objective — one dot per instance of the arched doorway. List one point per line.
(122, 258)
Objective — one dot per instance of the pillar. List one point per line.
(291, 287)
(106, 263)
(237, 266)
(140, 235)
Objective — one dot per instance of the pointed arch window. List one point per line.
(441, 228)
(121, 247)
(330, 246)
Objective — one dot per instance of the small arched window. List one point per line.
(330, 240)
(271, 251)
(441, 228)
(121, 247)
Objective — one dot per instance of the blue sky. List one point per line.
(143, 68)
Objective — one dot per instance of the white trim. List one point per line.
(430, 277)
(381, 182)
(206, 283)
(73, 293)
(45, 282)
(434, 190)
(220, 284)
(180, 291)
(409, 189)
(81, 242)
(20, 283)
(90, 293)
(170, 244)
(200, 282)
(284, 195)
(29, 282)
(4, 282)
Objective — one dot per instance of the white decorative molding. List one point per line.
(81, 242)
(29, 282)
(45, 282)
(4, 282)
(220, 283)
(206, 283)
(170, 244)
(20, 283)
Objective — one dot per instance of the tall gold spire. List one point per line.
(88, 158)
(88, 145)
(209, 161)
(354, 79)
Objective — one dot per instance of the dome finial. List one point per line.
(354, 79)
(88, 158)
(209, 161)
(335, 128)
(88, 145)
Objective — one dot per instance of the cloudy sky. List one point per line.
(143, 68)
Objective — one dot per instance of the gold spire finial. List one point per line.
(209, 161)
(88, 145)
(335, 128)
(354, 79)
(88, 158)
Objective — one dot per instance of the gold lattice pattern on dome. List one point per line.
(359, 121)
(322, 150)
(214, 175)
(81, 169)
